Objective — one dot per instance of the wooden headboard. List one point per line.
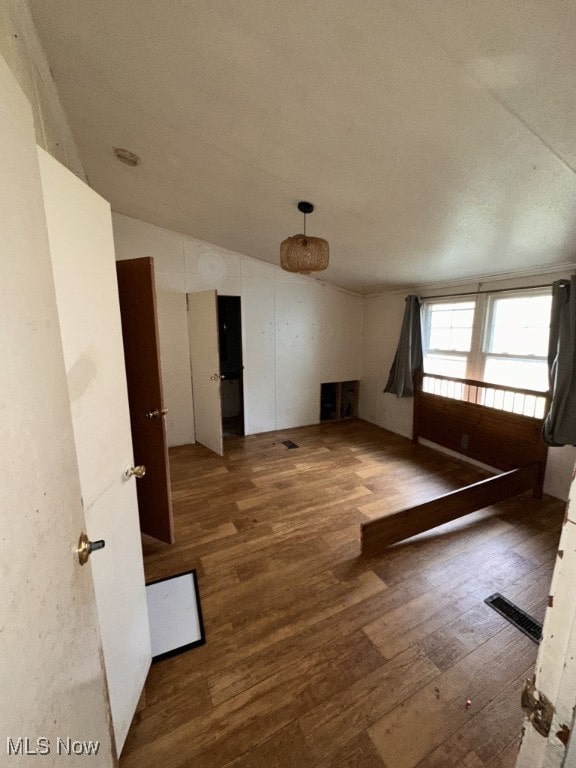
(499, 426)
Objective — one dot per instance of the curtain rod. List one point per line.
(494, 290)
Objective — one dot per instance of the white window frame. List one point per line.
(482, 328)
(489, 328)
(426, 304)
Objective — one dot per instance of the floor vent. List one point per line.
(521, 620)
(289, 444)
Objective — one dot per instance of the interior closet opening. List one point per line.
(231, 367)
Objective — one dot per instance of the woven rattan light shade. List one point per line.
(304, 254)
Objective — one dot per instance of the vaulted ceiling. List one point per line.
(437, 139)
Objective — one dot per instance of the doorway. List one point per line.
(231, 367)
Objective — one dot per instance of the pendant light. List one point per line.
(301, 253)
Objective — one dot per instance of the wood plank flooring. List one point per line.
(316, 656)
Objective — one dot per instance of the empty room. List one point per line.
(289, 328)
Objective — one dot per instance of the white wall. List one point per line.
(23, 52)
(297, 332)
(382, 322)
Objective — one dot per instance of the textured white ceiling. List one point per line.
(437, 139)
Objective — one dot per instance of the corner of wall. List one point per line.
(22, 50)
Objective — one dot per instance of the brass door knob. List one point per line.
(157, 413)
(138, 471)
(86, 547)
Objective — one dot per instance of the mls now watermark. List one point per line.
(44, 746)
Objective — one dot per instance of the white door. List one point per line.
(82, 250)
(205, 363)
(53, 697)
(556, 662)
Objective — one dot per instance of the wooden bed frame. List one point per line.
(496, 425)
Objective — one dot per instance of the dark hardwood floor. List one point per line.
(318, 657)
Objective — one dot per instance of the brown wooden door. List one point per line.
(142, 355)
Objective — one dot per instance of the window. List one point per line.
(515, 345)
(501, 338)
(448, 337)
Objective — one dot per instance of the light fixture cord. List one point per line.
(304, 224)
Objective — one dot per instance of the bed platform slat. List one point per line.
(381, 533)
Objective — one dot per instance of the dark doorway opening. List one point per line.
(231, 367)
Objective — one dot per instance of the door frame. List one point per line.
(241, 346)
(555, 675)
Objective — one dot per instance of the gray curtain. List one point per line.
(408, 358)
(559, 426)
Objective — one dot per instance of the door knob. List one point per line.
(214, 377)
(138, 471)
(86, 547)
(157, 413)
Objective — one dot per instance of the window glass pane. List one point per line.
(445, 365)
(520, 325)
(460, 339)
(450, 325)
(457, 339)
(440, 338)
(524, 374)
(449, 315)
